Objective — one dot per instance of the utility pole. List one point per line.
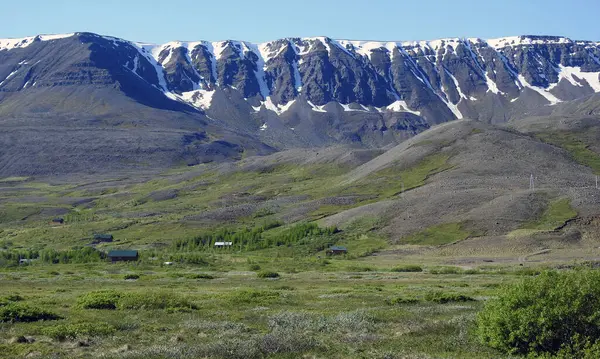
(531, 183)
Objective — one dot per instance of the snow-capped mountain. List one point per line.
(296, 91)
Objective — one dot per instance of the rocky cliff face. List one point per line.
(297, 91)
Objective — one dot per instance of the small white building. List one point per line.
(223, 244)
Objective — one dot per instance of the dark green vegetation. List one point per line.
(554, 312)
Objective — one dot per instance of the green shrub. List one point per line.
(443, 298)
(254, 267)
(17, 312)
(553, 312)
(11, 298)
(402, 300)
(446, 270)
(99, 300)
(253, 296)
(528, 271)
(359, 269)
(407, 268)
(159, 300)
(131, 276)
(117, 300)
(73, 331)
(267, 274)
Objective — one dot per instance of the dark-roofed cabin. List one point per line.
(336, 250)
(99, 238)
(121, 256)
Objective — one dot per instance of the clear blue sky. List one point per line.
(257, 21)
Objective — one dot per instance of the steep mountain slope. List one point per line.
(233, 96)
(68, 105)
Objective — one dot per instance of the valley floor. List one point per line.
(340, 309)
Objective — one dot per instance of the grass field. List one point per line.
(334, 308)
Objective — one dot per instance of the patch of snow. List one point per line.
(198, 98)
(341, 46)
(401, 106)
(492, 85)
(264, 126)
(525, 40)
(9, 44)
(316, 108)
(55, 36)
(509, 69)
(295, 64)
(9, 76)
(269, 105)
(462, 95)
(260, 74)
(218, 48)
(306, 47)
(363, 48)
(574, 75)
(347, 108)
(514, 99)
(151, 53)
(472, 98)
(455, 110)
(542, 91)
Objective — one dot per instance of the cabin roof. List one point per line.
(338, 248)
(123, 253)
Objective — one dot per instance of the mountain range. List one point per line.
(89, 103)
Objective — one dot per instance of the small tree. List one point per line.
(544, 314)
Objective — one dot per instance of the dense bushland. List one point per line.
(555, 312)
(256, 238)
(52, 256)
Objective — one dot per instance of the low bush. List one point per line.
(131, 276)
(117, 300)
(267, 274)
(99, 300)
(254, 267)
(359, 269)
(63, 332)
(17, 312)
(555, 312)
(407, 268)
(446, 270)
(11, 298)
(253, 296)
(401, 300)
(443, 298)
(169, 301)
